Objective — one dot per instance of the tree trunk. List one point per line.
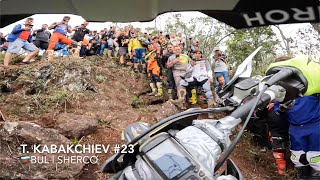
(285, 40)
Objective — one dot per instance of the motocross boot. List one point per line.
(154, 89)
(193, 98)
(280, 162)
(180, 102)
(160, 90)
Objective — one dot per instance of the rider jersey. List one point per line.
(62, 28)
(310, 68)
(305, 110)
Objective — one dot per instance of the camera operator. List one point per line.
(220, 63)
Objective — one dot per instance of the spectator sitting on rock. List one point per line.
(218, 93)
(201, 76)
(20, 37)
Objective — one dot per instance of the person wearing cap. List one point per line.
(20, 37)
(219, 61)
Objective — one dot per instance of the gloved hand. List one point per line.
(286, 106)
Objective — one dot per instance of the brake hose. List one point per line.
(236, 140)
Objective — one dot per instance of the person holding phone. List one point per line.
(21, 37)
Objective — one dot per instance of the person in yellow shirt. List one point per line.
(139, 52)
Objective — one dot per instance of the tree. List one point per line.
(206, 30)
(287, 41)
(243, 42)
(307, 40)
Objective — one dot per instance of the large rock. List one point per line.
(75, 126)
(76, 78)
(161, 111)
(14, 134)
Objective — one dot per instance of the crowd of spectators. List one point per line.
(172, 56)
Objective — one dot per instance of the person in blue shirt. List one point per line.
(21, 37)
(60, 35)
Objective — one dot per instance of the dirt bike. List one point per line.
(183, 147)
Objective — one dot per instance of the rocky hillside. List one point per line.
(88, 101)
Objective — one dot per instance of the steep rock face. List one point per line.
(18, 140)
(87, 101)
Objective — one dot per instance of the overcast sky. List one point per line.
(160, 21)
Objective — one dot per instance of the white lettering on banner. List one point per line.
(307, 14)
(285, 16)
(69, 148)
(61, 149)
(36, 148)
(105, 149)
(78, 148)
(257, 18)
(53, 148)
(86, 149)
